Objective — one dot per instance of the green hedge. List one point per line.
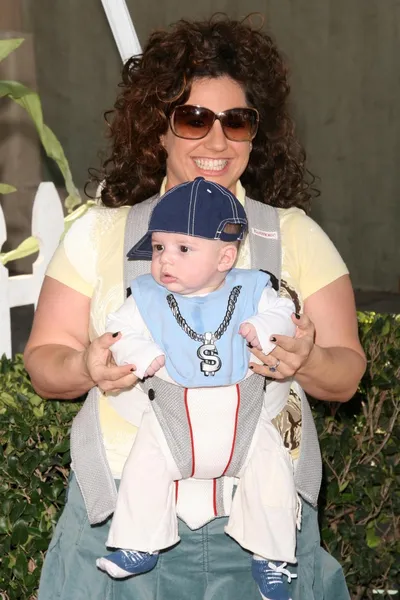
(360, 444)
(34, 468)
(360, 516)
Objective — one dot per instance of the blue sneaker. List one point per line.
(124, 563)
(269, 578)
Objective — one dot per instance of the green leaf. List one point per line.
(8, 46)
(386, 328)
(30, 101)
(26, 248)
(3, 525)
(36, 400)
(17, 510)
(8, 400)
(62, 447)
(373, 541)
(38, 411)
(5, 188)
(19, 533)
(31, 245)
(21, 566)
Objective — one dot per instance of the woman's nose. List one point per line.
(215, 139)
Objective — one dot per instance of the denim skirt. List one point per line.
(205, 565)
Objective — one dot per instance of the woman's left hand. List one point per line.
(290, 354)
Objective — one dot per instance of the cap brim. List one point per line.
(142, 250)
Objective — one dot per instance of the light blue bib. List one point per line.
(197, 363)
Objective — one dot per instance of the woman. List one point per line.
(189, 79)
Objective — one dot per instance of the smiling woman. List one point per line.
(205, 99)
(211, 72)
(213, 156)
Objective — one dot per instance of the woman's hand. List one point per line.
(101, 368)
(290, 354)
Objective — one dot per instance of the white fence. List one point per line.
(20, 290)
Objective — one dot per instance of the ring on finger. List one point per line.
(274, 367)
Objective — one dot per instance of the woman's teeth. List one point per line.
(208, 164)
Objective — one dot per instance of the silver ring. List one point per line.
(274, 367)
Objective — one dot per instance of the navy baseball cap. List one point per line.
(200, 208)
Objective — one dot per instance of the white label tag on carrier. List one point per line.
(269, 235)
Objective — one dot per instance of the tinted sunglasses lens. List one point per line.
(240, 124)
(191, 122)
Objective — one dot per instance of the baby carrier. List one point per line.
(87, 448)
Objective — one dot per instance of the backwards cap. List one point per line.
(199, 208)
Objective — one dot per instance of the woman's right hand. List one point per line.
(101, 368)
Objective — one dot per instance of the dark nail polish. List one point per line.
(249, 345)
(273, 339)
(133, 370)
(297, 315)
(251, 368)
(115, 334)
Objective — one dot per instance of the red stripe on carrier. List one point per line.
(235, 431)
(190, 431)
(215, 497)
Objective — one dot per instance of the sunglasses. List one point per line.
(195, 122)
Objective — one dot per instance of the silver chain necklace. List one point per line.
(207, 352)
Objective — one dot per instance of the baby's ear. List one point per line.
(227, 257)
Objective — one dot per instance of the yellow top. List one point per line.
(90, 260)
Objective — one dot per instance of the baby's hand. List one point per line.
(155, 366)
(248, 331)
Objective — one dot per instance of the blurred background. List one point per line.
(345, 76)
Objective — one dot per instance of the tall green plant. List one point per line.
(30, 101)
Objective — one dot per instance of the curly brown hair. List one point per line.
(154, 83)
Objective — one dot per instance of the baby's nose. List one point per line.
(166, 257)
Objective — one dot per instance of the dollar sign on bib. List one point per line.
(208, 354)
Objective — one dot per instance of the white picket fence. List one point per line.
(21, 290)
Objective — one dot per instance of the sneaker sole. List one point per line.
(112, 569)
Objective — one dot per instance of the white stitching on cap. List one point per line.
(229, 194)
(189, 211)
(195, 189)
(235, 218)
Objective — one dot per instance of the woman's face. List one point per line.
(214, 157)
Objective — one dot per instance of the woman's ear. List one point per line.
(227, 257)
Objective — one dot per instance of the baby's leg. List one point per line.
(264, 511)
(145, 516)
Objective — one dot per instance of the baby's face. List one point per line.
(186, 264)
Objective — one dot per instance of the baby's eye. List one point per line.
(158, 248)
(184, 249)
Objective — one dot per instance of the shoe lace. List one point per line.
(131, 553)
(281, 569)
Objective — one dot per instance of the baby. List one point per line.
(191, 321)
